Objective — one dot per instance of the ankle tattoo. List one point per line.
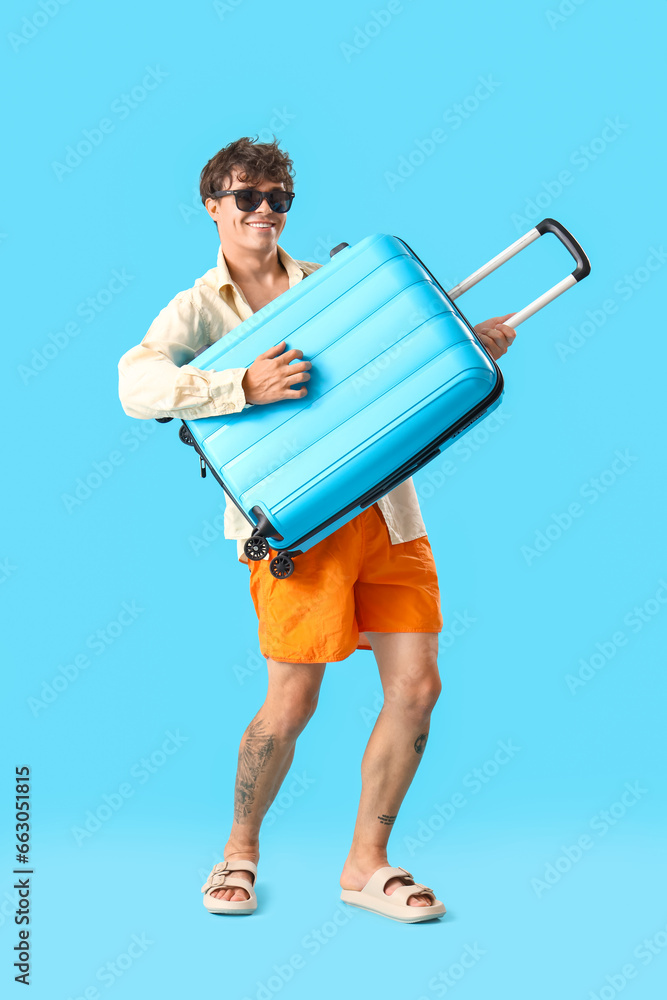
(387, 820)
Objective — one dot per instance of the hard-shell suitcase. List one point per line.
(397, 374)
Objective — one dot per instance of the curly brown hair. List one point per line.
(254, 161)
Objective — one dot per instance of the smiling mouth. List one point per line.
(261, 225)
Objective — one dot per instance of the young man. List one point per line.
(372, 584)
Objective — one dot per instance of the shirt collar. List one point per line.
(294, 271)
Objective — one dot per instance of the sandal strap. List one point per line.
(227, 882)
(220, 875)
(378, 880)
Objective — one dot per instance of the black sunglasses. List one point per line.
(248, 199)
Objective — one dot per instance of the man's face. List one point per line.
(236, 228)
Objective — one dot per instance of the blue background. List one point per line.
(350, 103)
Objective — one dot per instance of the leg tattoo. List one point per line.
(387, 820)
(255, 751)
(420, 742)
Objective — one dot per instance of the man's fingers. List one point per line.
(489, 344)
(291, 355)
(272, 351)
(488, 324)
(298, 376)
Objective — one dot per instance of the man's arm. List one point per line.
(156, 378)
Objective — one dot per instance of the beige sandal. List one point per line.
(394, 905)
(220, 878)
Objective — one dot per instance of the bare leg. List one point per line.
(265, 756)
(407, 662)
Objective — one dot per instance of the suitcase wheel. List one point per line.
(256, 547)
(185, 435)
(281, 566)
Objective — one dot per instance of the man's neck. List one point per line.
(256, 267)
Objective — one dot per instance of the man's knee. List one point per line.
(426, 694)
(415, 695)
(297, 708)
(294, 693)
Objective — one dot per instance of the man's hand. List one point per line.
(495, 335)
(269, 377)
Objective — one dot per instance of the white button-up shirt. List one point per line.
(157, 379)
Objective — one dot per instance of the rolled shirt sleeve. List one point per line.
(156, 378)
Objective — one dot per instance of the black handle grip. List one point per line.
(583, 267)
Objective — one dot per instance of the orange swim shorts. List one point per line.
(353, 581)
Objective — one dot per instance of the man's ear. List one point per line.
(211, 206)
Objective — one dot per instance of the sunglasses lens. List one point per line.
(248, 201)
(280, 201)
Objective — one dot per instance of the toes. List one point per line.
(419, 899)
(235, 895)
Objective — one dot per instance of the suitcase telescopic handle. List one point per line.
(545, 226)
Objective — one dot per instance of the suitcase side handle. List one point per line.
(582, 269)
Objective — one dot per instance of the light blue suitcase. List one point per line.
(397, 375)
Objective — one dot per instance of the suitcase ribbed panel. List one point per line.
(368, 447)
(356, 406)
(341, 383)
(394, 366)
(327, 287)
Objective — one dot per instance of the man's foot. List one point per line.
(232, 892)
(356, 874)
